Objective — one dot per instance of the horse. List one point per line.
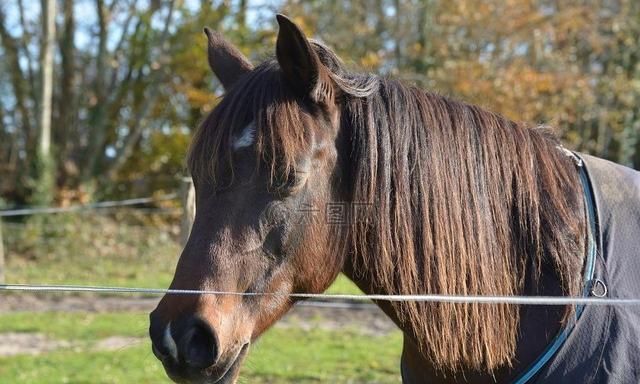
(305, 169)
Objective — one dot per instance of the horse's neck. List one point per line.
(538, 326)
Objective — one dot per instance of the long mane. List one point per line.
(465, 202)
(462, 201)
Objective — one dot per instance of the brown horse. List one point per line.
(437, 196)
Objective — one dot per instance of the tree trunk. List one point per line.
(67, 103)
(17, 82)
(25, 40)
(242, 15)
(49, 11)
(46, 169)
(397, 49)
(98, 111)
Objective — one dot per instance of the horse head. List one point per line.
(264, 165)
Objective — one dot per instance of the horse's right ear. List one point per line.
(300, 64)
(225, 60)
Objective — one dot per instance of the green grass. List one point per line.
(76, 325)
(318, 356)
(280, 356)
(130, 365)
(91, 250)
(343, 286)
(125, 250)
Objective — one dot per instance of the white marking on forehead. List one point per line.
(246, 138)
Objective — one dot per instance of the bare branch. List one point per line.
(136, 124)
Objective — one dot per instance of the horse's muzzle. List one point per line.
(190, 353)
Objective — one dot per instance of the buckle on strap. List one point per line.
(576, 159)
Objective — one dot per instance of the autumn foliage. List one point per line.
(132, 83)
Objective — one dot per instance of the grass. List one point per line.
(280, 356)
(127, 249)
(75, 325)
(91, 249)
(131, 365)
(318, 356)
(343, 286)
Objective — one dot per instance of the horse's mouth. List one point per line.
(224, 374)
(228, 373)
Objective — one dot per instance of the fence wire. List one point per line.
(432, 298)
(330, 299)
(85, 207)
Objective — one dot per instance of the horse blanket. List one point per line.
(604, 345)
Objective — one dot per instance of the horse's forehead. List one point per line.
(245, 138)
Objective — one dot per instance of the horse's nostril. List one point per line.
(198, 346)
(162, 343)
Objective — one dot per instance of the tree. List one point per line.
(45, 165)
(568, 64)
(132, 82)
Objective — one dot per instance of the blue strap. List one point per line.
(563, 334)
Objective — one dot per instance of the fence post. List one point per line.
(188, 197)
(2, 272)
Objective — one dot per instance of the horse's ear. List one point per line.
(225, 60)
(298, 60)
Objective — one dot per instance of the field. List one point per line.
(58, 343)
(124, 249)
(113, 348)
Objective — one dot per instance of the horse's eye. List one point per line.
(272, 244)
(295, 181)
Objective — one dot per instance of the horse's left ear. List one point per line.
(225, 60)
(300, 64)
